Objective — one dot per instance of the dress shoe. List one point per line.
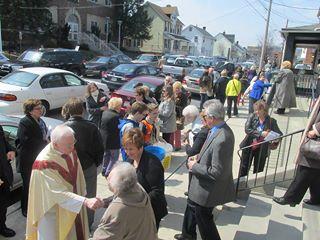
(7, 232)
(24, 213)
(283, 201)
(180, 236)
(309, 202)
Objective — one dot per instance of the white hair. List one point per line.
(215, 109)
(123, 178)
(168, 78)
(190, 110)
(60, 132)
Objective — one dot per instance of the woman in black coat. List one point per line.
(149, 170)
(257, 127)
(31, 139)
(96, 102)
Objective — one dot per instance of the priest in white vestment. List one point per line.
(57, 206)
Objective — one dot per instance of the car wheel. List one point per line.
(46, 108)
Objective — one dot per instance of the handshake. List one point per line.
(94, 203)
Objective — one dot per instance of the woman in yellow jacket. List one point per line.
(232, 91)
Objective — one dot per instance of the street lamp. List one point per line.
(119, 40)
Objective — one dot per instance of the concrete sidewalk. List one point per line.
(177, 184)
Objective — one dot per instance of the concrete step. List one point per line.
(254, 222)
(311, 221)
(228, 216)
(284, 220)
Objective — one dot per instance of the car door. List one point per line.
(75, 85)
(54, 87)
(152, 71)
(10, 133)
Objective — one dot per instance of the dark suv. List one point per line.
(67, 59)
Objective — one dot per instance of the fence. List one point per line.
(270, 166)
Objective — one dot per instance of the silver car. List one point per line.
(10, 127)
(191, 81)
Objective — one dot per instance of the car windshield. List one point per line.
(19, 78)
(2, 57)
(145, 58)
(30, 56)
(125, 68)
(196, 73)
(100, 60)
(130, 85)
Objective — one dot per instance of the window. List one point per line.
(190, 29)
(113, 61)
(108, 2)
(73, 80)
(94, 24)
(142, 71)
(152, 70)
(196, 39)
(10, 133)
(21, 79)
(93, 1)
(204, 40)
(52, 81)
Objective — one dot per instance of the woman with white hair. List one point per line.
(130, 212)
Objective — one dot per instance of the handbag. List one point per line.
(255, 143)
(310, 148)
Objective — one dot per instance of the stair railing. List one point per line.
(266, 160)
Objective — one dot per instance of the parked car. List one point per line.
(10, 126)
(52, 86)
(303, 66)
(125, 72)
(247, 65)
(3, 58)
(191, 81)
(150, 59)
(171, 58)
(229, 66)
(127, 91)
(96, 66)
(177, 67)
(67, 59)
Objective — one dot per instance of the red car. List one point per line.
(127, 91)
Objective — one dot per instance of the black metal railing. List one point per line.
(271, 166)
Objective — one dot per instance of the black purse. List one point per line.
(310, 148)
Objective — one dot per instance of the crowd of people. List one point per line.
(59, 168)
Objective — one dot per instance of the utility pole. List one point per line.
(0, 36)
(119, 40)
(283, 44)
(264, 46)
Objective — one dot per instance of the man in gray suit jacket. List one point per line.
(212, 181)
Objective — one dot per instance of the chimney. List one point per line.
(204, 28)
(224, 33)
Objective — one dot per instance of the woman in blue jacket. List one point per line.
(257, 90)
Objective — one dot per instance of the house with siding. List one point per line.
(202, 40)
(166, 30)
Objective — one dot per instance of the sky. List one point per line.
(245, 18)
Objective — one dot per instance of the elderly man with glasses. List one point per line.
(211, 181)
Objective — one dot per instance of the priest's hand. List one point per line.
(93, 203)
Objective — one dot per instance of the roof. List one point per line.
(305, 28)
(169, 10)
(178, 37)
(202, 31)
(43, 70)
(158, 10)
(230, 37)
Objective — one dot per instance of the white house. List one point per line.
(201, 39)
(226, 46)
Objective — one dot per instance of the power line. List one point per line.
(250, 4)
(228, 13)
(295, 7)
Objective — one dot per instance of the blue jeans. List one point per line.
(110, 157)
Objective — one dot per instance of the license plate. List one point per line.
(114, 79)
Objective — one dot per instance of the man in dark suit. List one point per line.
(211, 182)
(6, 178)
